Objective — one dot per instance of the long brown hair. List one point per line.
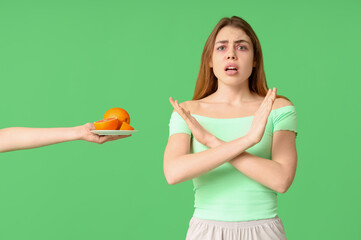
(207, 82)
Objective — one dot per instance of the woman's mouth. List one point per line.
(231, 69)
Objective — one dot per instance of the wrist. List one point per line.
(213, 141)
(78, 132)
(246, 141)
(240, 158)
(249, 140)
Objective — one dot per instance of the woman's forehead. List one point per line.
(229, 33)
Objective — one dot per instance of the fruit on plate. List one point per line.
(126, 126)
(107, 124)
(118, 113)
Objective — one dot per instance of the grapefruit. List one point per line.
(126, 126)
(107, 124)
(118, 113)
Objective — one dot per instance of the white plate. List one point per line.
(114, 132)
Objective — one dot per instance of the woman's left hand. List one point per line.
(199, 133)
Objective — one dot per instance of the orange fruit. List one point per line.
(126, 126)
(118, 113)
(107, 124)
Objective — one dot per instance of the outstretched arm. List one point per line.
(17, 138)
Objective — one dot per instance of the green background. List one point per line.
(64, 63)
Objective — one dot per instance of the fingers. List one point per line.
(177, 107)
(171, 100)
(180, 108)
(185, 114)
(175, 104)
(89, 126)
(269, 98)
(264, 102)
(266, 97)
(108, 138)
(272, 96)
(266, 106)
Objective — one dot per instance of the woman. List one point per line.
(17, 138)
(231, 112)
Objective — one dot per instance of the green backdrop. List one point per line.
(64, 63)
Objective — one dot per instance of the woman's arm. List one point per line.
(278, 173)
(17, 138)
(181, 166)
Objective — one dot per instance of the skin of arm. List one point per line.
(17, 138)
(278, 173)
(180, 166)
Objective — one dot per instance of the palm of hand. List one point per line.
(260, 118)
(199, 133)
(87, 135)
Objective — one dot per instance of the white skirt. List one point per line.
(264, 229)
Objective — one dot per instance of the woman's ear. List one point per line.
(210, 64)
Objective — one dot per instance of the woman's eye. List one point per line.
(221, 48)
(241, 48)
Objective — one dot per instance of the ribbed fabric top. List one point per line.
(225, 193)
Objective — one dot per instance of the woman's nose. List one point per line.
(231, 55)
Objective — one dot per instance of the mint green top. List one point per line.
(225, 193)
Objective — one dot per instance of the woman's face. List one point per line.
(232, 58)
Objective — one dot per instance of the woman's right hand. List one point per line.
(258, 127)
(199, 133)
(86, 134)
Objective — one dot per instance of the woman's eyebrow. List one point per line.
(237, 41)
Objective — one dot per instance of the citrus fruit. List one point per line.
(107, 124)
(118, 113)
(126, 126)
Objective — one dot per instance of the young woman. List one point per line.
(17, 138)
(231, 140)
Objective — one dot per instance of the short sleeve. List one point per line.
(178, 125)
(285, 118)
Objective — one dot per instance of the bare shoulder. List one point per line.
(189, 105)
(183, 105)
(281, 102)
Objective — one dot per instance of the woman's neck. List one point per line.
(233, 95)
